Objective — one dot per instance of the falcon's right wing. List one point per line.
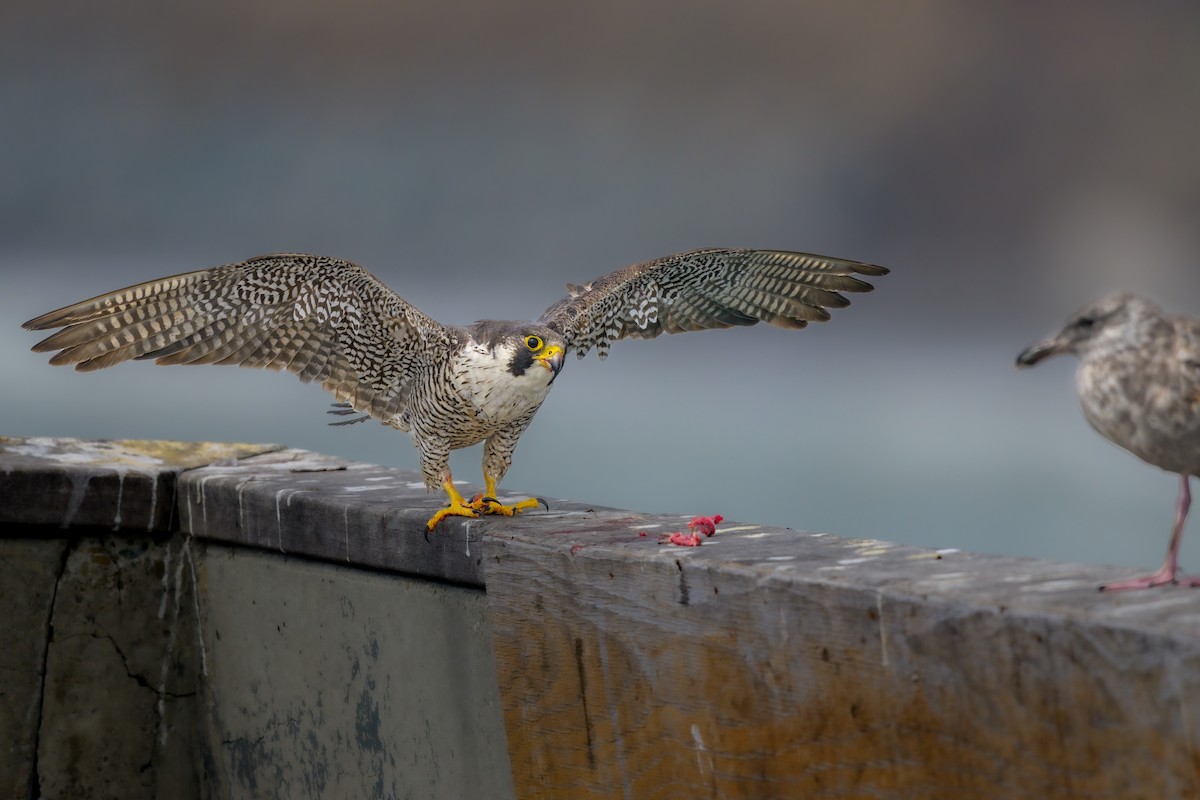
(705, 289)
(322, 318)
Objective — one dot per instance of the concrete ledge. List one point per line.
(766, 663)
(295, 501)
(120, 485)
(142, 664)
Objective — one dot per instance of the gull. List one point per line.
(1138, 384)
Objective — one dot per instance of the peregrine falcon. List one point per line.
(331, 321)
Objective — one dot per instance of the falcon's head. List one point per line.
(524, 346)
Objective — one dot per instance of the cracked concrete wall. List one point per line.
(142, 667)
(327, 681)
(119, 710)
(29, 572)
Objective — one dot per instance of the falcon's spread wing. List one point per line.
(324, 319)
(705, 289)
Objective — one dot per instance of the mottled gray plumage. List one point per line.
(331, 321)
(1138, 384)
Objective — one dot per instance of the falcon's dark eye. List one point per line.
(1086, 323)
(533, 342)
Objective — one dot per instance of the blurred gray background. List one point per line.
(1009, 162)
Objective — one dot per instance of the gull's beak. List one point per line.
(1041, 351)
(552, 359)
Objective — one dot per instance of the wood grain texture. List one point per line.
(632, 670)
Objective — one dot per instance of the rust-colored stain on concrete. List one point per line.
(772, 692)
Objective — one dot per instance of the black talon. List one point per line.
(543, 502)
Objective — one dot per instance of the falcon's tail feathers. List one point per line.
(343, 410)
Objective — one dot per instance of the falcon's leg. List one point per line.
(1169, 571)
(458, 507)
(497, 456)
(488, 504)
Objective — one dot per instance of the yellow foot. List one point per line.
(453, 510)
(458, 506)
(480, 504)
(490, 505)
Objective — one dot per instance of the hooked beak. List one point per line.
(1040, 352)
(552, 359)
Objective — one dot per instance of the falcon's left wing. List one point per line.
(705, 289)
(324, 319)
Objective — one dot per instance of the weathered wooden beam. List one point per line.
(776, 663)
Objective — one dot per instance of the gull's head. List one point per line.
(1116, 322)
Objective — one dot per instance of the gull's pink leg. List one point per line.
(1169, 571)
(1177, 536)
